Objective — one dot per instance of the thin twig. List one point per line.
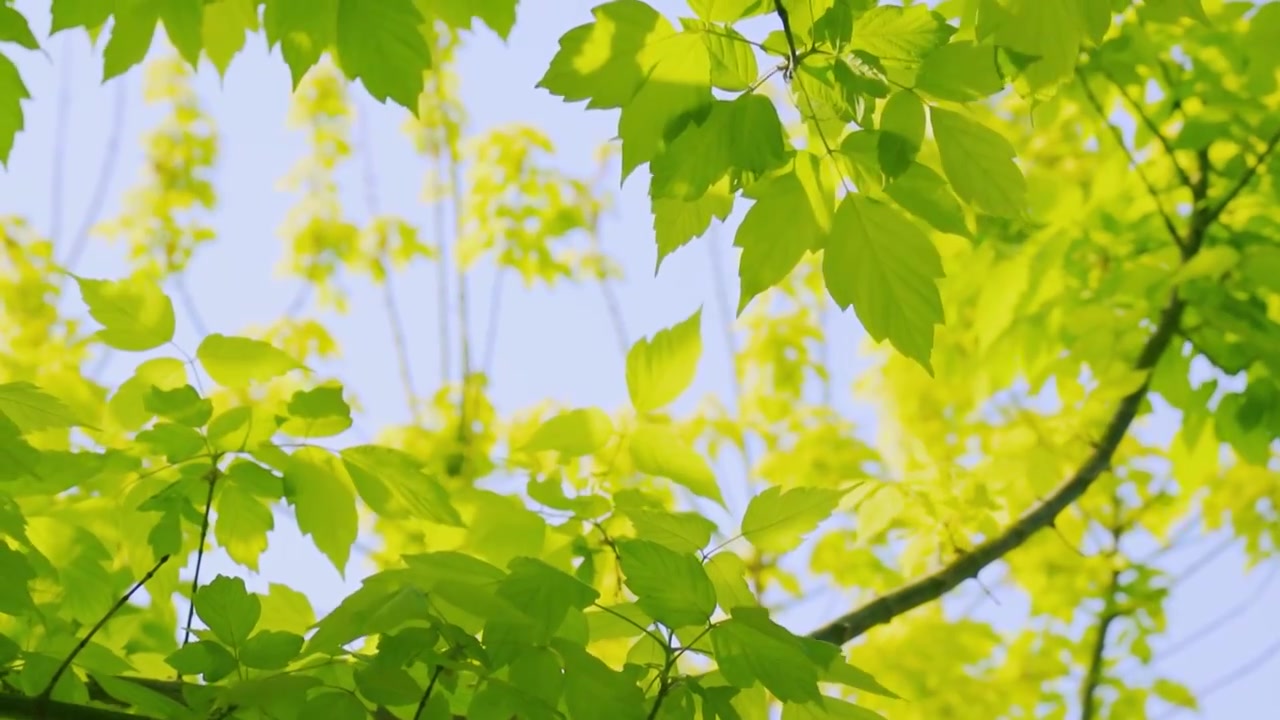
(426, 696)
(1133, 161)
(390, 305)
(1146, 119)
(204, 534)
(105, 172)
(84, 641)
(58, 163)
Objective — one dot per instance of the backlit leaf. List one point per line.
(886, 268)
(672, 587)
(237, 362)
(660, 368)
(979, 163)
(658, 450)
(135, 314)
(573, 433)
(776, 520)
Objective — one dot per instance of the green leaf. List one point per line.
(203, 657)
(729, 10)
(176, 442)
(728, 573)
(594, 691)
(1175, 693)
(242, 524)
(660, 368)
(923, 193)
(32, 409)
(270, 649)
(545, 594)
(751, 648)
(325, 502)
(393, 484)
(237, 362)
(961, 72)
(573, 433)
(12, 92)
(671, 587)
(224, 27)
(684, 532)
(131, 35)
(1173, 11)
(15, 597)
(791, 217)
(677, 81)
(901, 132)
(776, 521)
(88, 14)
(182, 405)
(183, 20)
(326, 705)
(14, 29)
(385, 685)
(979, 163)
(834, 668)
(597, 61)
(676, 222)
(733, 60)
(658, 450)
(883, 265)
(830, 708)
(321, 412)
(698, 157)
(242, 428)
(1050, 32)
(135, 314)
(129, 403)
(228, 609)
(380, 44)
(499, 15)
(303, 29)
(902, 35)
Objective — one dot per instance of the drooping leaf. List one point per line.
(88, 14)
(658, 450)
(14, 29)
(318, 488)
(242, 524)
(923, 193)
(751, 648)
(224, 28)
(597, 62)
(979, 163)
(380, 45)
(133, 28)
(791, 217)
(886, 268)
(901, 132)
(304, 29)
(12, 92)
(677, 82)
(660, 368)
(961, 72)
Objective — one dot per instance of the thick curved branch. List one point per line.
(933, 586)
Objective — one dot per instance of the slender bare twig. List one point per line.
(390, 305)
(1147, 120)
(105, 172)
(1133, 161)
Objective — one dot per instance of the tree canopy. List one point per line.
(1053, 219)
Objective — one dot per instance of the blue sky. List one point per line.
(557, 345)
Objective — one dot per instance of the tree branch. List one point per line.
(1093, 676)
(933, 586)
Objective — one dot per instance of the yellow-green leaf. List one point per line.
(658, 450)
(660, 368)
